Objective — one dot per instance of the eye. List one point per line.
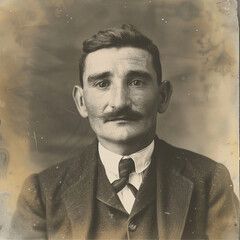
(102, 84)
(137, 83)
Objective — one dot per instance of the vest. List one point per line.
(112, 221)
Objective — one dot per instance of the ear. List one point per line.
(165, 93)
(79, 101)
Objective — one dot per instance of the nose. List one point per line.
(120, 97)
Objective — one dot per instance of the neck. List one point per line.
(126, 148)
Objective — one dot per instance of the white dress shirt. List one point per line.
(142, 160)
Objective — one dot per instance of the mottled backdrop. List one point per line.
(40, 45)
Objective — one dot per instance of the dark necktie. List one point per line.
(125, 167)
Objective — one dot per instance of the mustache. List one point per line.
(122, 114)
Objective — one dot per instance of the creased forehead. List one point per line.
(104, 59)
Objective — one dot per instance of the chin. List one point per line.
(124, 136)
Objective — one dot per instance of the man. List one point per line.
(128, 184)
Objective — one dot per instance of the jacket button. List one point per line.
(132, 226)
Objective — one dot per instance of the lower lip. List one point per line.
(121, 120)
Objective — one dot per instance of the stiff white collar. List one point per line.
(110, 160)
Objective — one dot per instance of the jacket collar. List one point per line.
(173, 191)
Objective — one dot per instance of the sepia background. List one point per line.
(40, 46)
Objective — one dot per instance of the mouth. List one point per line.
(122, 119)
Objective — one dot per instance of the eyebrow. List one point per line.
(98, 76)
(131, 74)
(139, 73)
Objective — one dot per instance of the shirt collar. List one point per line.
(111, 160)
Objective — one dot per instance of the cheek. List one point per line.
(91, 109)
(146, 104)
(92, 104)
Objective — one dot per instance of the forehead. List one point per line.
(118, 60)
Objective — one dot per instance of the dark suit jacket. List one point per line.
(195, 198)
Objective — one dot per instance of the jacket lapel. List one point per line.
(79, 193)
(147, 191)
(173, 192)
(106, 193)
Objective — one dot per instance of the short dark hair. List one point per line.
(125, 36)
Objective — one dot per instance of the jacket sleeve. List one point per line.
(223, 207)
(28, 221)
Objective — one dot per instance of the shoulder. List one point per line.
(49, 181)
(194, 165)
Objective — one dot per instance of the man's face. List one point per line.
(120, 94)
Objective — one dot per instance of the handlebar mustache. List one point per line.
(126, 114)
